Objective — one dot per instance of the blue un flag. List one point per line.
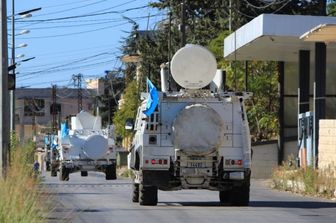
(64, 129)
(153, 99)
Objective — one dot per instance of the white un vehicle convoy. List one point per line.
(196, 138)
(85, 147)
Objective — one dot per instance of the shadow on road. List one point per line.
(293, 204)
(270, 204)
(193, 203)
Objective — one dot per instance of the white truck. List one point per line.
(85, 147)
(196, 138)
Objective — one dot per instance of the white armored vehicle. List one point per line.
(86, 147)
(195, 138)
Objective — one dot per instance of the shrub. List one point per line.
(20, 197)
(316, 182)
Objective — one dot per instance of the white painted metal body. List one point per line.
(87, 146)
(195, 171)
(198, 137)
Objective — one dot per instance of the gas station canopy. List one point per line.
(321, 33)
(271, 37)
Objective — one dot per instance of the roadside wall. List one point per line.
(327, 144)
(264, 159)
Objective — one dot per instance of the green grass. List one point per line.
(307, 180)
(20, 197)
(126, 173)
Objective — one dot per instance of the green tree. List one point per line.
(262, 108)
(127, 109)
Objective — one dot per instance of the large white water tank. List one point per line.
(198, 130)
(95, 147)
(193, 67)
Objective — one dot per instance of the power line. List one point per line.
(71, 9)
(89, 15)
(68, 62)
(72, 62)
(28, 76)
(72, 3)
(87, 22)
(82, 32)
(274, 2)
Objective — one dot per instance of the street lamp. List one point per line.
(24, 14)
(22, 45)
(25, 31)
(20, 56)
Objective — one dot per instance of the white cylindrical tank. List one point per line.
(198, 130)
(193, 67)
(164, 78)
(217, 83)
(95, 147)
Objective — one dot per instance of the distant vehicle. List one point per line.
(85, 147)
(194, 138)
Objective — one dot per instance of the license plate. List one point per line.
(195, 164)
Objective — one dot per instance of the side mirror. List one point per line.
(129, 124)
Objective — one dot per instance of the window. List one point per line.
(34, 107)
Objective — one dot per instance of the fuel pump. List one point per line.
(306, 139)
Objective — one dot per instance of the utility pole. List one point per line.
(230, 15)
(78, 83)
(53, 110)
(323, 7)
(12, 91)
(4, 101)
(182, 26)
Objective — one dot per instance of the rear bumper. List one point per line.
(88, 164)
(223, 181)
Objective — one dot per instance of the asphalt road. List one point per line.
(93, 199)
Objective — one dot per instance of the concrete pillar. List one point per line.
(281, 142)
(304, 74)
(320, 81)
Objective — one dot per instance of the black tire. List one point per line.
(53, 171)
(135, 194)
(148, 195)
(64, 173)
(237, 196)
(48, 166)
(225, 197)
(111, 172)
(84, 173)
(242, 195)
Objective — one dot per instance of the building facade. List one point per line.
(34, 108)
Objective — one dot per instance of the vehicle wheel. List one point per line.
(64, 173)
(48, 166)
(84, 173)
(53, 172)
(135, 194)
(110, 172)
(224, 197)
(148, 195)
(242, 195)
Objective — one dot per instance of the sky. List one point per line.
(74, 36)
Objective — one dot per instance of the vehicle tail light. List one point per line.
(153, 161)
(239, 162)
(230, 162)
(165, 162)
